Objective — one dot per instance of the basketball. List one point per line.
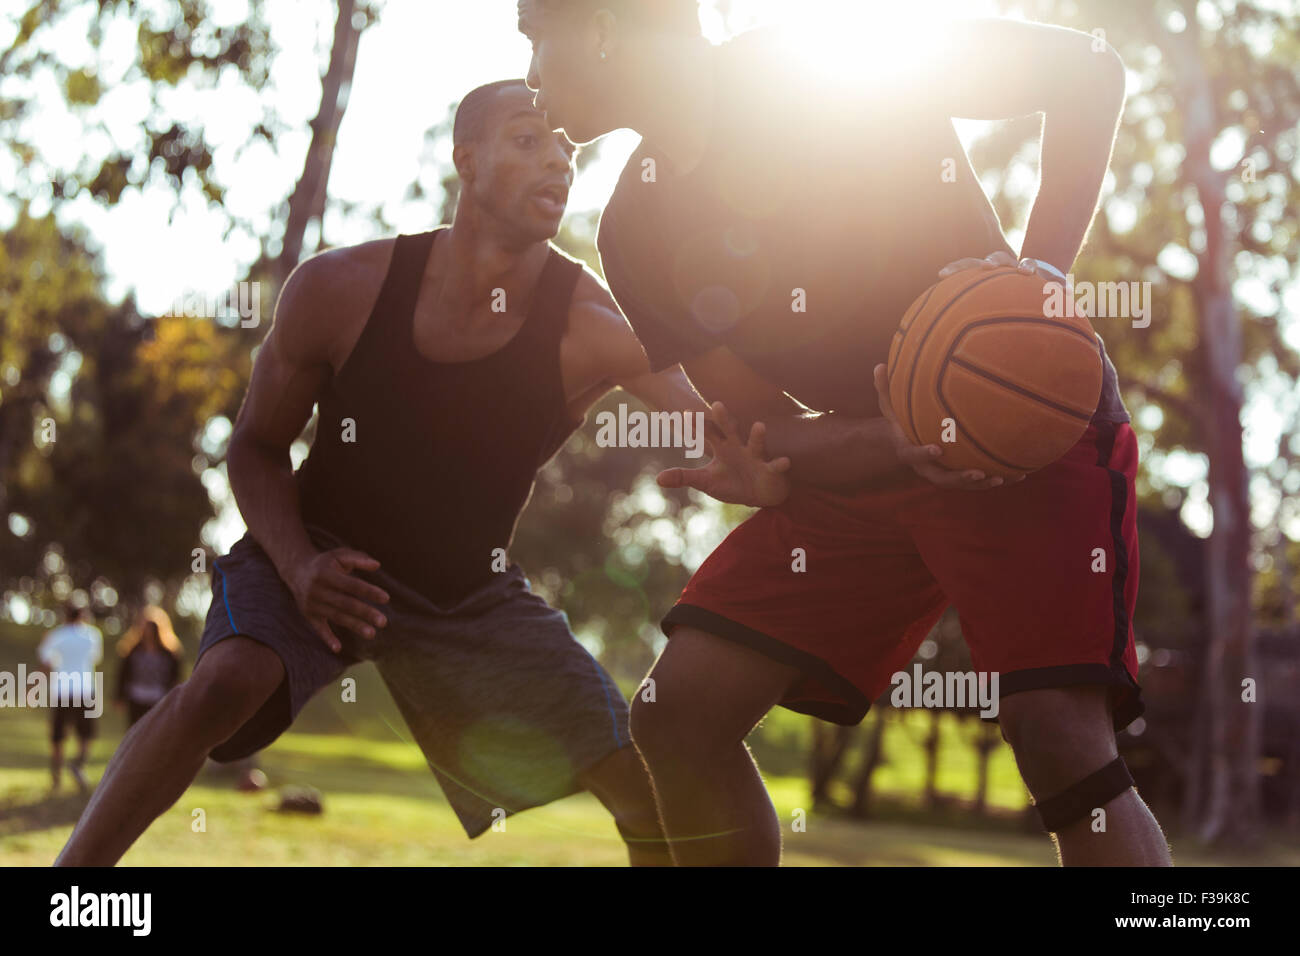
(979, 368)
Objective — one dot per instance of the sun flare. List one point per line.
(856, 39)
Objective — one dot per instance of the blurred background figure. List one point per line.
(151, 663)
(69, 654)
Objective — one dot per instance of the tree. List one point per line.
(141, 407)
(307, 203)
(178, 46)
(107, 429)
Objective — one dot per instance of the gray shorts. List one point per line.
(506, 705)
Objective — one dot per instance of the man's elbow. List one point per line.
(1112, 75)
(244, 451)
(1083, 72)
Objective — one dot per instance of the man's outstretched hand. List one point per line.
(739, 472)
(923, 459)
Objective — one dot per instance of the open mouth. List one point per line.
(552, 199)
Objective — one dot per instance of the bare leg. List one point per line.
(709, 694)
(622, 784)
(163, 753)
(1059, 737)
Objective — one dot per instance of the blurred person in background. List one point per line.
(151, 663)
(69, 654)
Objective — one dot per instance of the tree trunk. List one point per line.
(872, 757)
(307, 204)
(1281, 557)
(985, 742)
(932, 761)
(830, 744)
(1230, 813)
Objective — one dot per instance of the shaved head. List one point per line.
(515, 170)
(480, 107)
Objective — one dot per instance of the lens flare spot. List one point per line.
(716, 308)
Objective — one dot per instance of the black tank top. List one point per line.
(443, 456)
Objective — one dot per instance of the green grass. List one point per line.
(782, 744)
(383, 807)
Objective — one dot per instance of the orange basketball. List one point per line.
(983, 367)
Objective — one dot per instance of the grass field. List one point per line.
(383, 807)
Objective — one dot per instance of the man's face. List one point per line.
(522, 170)
(565, 70)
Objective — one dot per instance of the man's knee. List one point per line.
(230, 684)
(1052, 730)
(1064, 744)
(671, 728)
(709, 694)
(651, 725)
(636, 814)
(622, 784)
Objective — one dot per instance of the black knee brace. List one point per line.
(1078, 801)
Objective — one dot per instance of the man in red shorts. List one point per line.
(768, 234)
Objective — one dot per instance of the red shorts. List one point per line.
(1022, 565)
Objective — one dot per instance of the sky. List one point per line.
(420, 58)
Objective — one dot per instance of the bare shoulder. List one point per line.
(327, 299)
(600, 344)
(593, 307)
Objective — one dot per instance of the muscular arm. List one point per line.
(291, 371)
(601, 352)
(316, 324)
(1010, 68)
(1046, 69)
(824, 449)
(317, 321)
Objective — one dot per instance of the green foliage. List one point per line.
(1248, 52)
(1152, 226)
(100, 419)
(178, 44)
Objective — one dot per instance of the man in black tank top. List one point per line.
(448, 367)
(768, 234)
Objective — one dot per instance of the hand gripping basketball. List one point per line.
(981, 366)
